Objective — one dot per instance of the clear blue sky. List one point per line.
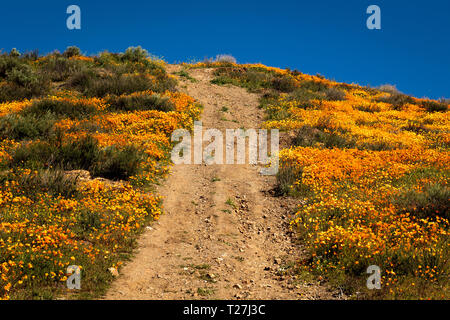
(412, 50)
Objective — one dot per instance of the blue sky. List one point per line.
(411, 50)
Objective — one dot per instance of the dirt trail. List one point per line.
(204, 247)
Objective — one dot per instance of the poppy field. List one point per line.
(81, 150)
(370, 169)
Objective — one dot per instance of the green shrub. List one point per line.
(390, 88)
(118, 164)
(131, 62)
(431, 202)
(314, 86)
(93, 85)
(286, 177)
(117, 85)
(22, 81)
(412, 177)
(12, 91)
(61, 109)
(14, 53)
(8, 63)
(228, 58)
(88, 127)
(231, 75)
(35, 155)
(31, 55)
(22, 75)
(186, 75)
(418, 128)
(434, 106)
(87, 221)
(81, 79)
(107, 58)
(371, 108)
(18, 127)
(79, 154)
(140, 102)
(59, 68)
(221, 80)
(135, 54)
(54, 182)
(111, 163)
(283, 83)
(254, 78)
(398, 100)
(334, 94)
(72, 51)
(303, 94)
(308, 136)
(376, 146)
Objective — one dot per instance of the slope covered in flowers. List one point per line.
(78, 162)
(371, 169)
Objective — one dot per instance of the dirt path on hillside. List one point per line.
(223, 236)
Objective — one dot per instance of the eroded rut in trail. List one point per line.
(223, 236)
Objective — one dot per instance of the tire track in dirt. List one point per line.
(204, 248)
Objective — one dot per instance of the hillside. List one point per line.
(85, 169)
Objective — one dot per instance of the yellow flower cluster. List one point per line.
(115, 212)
